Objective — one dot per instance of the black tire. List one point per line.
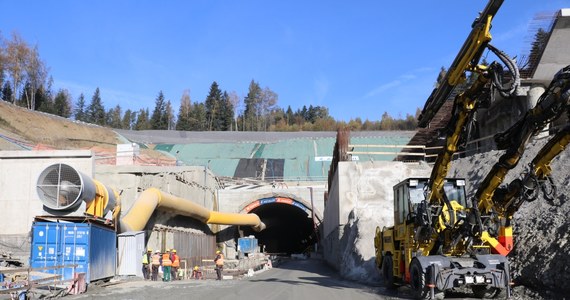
(388, 272)
(485, 292)
(418, 281)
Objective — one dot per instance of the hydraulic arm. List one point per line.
(551, 105)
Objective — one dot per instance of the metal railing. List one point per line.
(44, 280)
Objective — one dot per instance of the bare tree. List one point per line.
(184, 112)
(236, 103)
(267, 104)
(17, 53)
(170, 119)
(2, 62)
(36, 74)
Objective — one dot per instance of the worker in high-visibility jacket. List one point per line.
(219, 261)
(155, 265)
(146, 267)
(175, 264)
(166, 265)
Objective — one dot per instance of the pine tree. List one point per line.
(226, 112)
(7, 91)
(169, 114)
(252, 102)
(158, 119)
(45, 101)
(184, 113)
(79, 111)
(198, 117)
(128, 120)
(114, 117)
(289, 115)
(212, 105)
(62, 104)
(96, 110)
(142, 122)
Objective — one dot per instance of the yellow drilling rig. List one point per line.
(442, 239)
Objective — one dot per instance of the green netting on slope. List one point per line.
(213, 150)
(164, 147)
(304, 157)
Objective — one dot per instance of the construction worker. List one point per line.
(166, 265)
(175, 264)
(155, 265)
(196, 273)
(219, 261)
(146, 268)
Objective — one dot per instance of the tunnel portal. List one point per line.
(290, 227)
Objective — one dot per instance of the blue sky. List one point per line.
(358, 58)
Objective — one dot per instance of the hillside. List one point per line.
(22, 129)
(36, 130)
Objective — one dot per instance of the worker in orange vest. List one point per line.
(155, 264)
(219, 261)
(175, 264)
(166, 265)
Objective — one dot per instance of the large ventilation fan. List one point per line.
(61, 187)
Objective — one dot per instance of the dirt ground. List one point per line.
(60, 133)
(22, 129)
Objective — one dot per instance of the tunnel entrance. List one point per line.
(289, 225)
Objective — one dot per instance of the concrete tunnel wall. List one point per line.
(236, 198)
(363, 190)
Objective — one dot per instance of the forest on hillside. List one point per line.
(25, 81)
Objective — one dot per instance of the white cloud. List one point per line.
(383, 88)
(404, 78)
(110, 97)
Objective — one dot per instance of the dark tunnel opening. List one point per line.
(289, 229)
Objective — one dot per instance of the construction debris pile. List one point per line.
(541, 256)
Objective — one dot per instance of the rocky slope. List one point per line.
(541, 256)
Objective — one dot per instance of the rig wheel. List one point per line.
(418, 281)
(388, 272)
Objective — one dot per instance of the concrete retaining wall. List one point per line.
(361, 199)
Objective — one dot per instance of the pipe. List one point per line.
(152, 199)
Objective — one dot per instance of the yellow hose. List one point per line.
(152, 199)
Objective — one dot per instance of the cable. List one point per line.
(498, 72)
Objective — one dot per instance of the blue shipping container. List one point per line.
(92, 247)
(247, 245)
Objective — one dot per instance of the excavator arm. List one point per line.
(498, 205)
(550, 106)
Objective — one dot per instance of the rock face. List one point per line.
(541, 256)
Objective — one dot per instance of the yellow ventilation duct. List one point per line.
(152, 199)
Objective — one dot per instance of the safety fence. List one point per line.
(191, 246)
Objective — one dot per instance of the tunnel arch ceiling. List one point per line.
(289, 224)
